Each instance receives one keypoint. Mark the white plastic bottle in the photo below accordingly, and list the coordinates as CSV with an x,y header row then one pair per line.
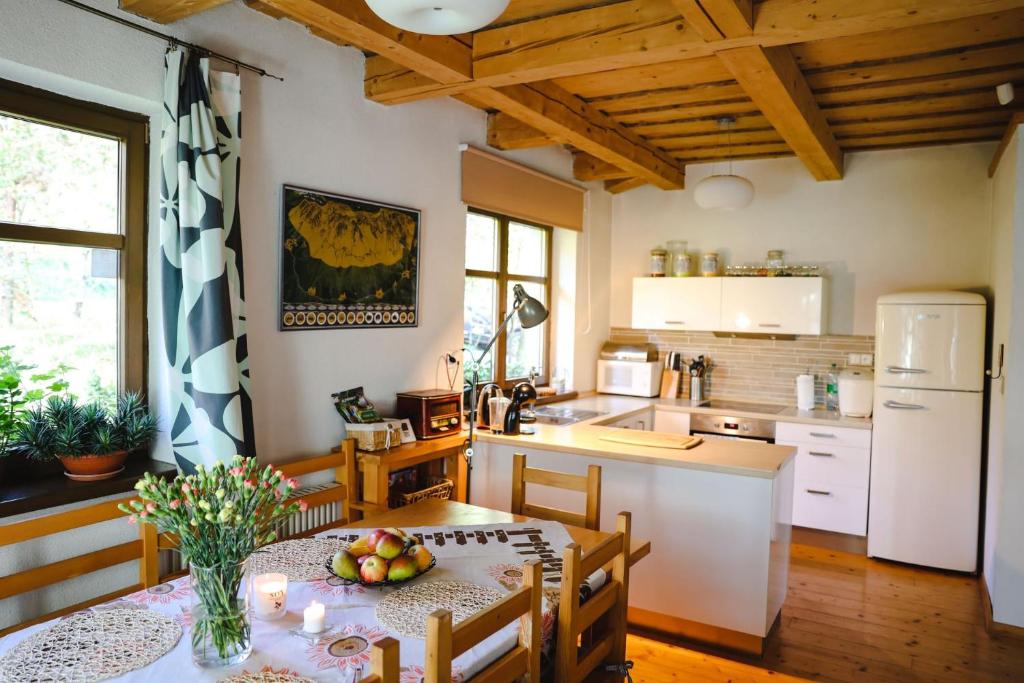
x,y
832,389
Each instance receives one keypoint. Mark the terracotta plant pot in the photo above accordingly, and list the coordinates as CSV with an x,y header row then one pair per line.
x,y
93,467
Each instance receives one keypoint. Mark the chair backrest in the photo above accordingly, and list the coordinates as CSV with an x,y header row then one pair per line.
x,y
445,643
384,666
590,485
142,549
602,615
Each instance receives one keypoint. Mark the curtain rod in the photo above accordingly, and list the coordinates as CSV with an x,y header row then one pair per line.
x,y
170,39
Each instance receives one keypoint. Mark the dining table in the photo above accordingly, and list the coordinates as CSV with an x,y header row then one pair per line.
x,y
479,548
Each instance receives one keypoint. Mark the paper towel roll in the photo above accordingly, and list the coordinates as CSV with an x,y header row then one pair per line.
x,y
805,392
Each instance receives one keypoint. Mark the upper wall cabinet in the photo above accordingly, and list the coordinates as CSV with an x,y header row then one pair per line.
x,y
677,303
773,305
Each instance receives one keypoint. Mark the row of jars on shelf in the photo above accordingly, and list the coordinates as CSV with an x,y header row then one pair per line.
x,y
676,261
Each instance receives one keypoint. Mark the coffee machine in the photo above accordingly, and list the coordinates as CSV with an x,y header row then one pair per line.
x,y
523,394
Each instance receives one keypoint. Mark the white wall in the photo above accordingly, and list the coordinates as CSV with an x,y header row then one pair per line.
x,y
907,219
1004,514
316,130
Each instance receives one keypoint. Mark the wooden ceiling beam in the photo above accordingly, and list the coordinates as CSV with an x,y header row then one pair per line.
x,y
168,11
718,19
1004,143
441,58
506,132
777,86
587,168
624,185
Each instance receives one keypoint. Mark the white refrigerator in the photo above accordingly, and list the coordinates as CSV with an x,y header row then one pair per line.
x,y
926,441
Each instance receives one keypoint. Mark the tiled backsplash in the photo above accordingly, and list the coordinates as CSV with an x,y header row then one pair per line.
x,y
755,369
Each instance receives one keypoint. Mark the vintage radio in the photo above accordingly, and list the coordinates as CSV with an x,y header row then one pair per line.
x,y
433,413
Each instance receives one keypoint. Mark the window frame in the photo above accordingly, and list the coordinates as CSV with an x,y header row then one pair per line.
x,y
131,130
502,277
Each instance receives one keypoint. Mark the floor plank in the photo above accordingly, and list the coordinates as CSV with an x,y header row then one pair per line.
x,y
851,618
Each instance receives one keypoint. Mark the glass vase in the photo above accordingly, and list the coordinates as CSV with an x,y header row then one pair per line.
x,y
221,623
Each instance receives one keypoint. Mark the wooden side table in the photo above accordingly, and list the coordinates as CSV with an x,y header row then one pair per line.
x,y
377,467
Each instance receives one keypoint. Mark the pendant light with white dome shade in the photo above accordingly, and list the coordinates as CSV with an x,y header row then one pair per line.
x,y
438,17
726,191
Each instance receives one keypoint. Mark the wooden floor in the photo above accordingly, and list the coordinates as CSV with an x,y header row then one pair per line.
x,y
848,618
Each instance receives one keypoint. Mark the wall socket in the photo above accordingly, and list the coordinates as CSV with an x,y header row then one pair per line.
x,y
864,360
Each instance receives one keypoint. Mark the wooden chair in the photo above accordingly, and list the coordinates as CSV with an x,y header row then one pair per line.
x,y
602,617
589,485
142,549
384,666
445,643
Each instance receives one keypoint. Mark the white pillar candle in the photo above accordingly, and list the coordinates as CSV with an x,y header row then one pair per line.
x,y
313,618
271,595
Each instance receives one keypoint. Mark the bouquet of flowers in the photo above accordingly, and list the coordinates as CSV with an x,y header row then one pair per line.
x,y
220,516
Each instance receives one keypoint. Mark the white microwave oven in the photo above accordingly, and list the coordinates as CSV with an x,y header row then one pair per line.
x,y
629,378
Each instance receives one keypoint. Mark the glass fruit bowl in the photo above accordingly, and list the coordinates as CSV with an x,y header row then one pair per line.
x,y
377,584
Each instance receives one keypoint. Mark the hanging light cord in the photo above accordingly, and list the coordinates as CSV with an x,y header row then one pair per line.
x,y
171,40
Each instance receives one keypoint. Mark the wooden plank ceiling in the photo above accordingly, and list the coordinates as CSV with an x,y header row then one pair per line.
x,y
636,87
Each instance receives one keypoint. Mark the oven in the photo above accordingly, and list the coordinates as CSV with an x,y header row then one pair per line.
x,y
732,428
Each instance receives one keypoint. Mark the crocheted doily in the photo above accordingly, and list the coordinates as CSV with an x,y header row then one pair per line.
x,y
405,611
91,646
301,559
266,677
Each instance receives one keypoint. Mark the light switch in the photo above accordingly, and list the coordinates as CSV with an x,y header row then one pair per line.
x,y
853,359
867,359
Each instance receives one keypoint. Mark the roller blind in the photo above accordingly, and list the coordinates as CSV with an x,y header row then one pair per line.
x,y
496,184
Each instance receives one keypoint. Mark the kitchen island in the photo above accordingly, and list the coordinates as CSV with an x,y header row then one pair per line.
x,y
718,516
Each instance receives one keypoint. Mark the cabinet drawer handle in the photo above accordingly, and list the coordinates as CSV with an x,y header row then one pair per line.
x,y
823,435
898,370
816,492
769,325
821,454
675,322
903,406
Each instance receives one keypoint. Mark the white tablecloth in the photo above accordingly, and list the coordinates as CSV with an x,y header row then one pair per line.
x,y
487,555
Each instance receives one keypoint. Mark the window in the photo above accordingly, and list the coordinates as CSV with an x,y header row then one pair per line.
x,y
72,239
502,252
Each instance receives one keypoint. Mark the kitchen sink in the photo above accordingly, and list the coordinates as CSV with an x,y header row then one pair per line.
x,y
553,415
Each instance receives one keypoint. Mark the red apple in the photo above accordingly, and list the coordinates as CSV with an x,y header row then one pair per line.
x,y
374,569
371,540
402,568
390,546
362,558
422,556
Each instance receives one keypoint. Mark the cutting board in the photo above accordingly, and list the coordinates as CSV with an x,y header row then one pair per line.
x,y
654,439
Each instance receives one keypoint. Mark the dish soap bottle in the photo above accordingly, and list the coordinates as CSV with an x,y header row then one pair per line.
x,y
832,389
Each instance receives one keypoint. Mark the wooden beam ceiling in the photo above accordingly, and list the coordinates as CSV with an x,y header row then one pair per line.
x,y
718,19
774,81
1004,143
507,132
168,11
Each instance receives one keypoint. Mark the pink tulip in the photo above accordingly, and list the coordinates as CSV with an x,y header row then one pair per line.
x,y
150,507
185,488
249,484
132,519
175,504
303,506
236,471
144,514
279,474
292,483
277,494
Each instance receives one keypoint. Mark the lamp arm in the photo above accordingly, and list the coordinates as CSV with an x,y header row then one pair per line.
x,y
497,333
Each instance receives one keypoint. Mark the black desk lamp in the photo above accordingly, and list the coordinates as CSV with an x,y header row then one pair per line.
x,y
531,313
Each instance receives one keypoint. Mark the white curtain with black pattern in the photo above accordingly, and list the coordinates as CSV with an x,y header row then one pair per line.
x,y
200,275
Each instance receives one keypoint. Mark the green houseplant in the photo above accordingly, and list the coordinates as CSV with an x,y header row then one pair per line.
x,y
220,515
90,441
19,388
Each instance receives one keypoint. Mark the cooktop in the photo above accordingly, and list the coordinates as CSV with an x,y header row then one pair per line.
x,y
765,408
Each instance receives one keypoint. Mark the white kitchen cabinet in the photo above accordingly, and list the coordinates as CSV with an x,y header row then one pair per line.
x,y
639,421
677,303
833,471
672,422
773,305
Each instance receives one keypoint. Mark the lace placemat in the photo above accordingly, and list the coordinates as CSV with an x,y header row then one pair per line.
x,y
266,677
302,559
91,646
405,611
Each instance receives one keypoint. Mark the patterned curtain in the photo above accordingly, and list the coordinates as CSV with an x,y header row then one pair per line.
x,y
201,263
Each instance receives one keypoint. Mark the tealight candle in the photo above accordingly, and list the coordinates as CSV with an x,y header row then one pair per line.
x,y
271,595
313,618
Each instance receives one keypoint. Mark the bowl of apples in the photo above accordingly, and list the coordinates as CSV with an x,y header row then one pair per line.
x,y
384,557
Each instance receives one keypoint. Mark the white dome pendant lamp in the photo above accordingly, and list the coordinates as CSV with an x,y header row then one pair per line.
x,y
728,191
438,17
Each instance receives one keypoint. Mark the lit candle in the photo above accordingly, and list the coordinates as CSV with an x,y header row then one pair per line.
x,y
271,595
313,618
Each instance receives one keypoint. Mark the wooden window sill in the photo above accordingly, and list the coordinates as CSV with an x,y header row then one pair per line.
x,y
19,495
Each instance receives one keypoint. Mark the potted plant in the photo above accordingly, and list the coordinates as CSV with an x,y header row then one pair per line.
x,y
220,515
16,394
90,442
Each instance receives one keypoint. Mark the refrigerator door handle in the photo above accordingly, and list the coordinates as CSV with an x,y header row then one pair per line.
x,y
903,406
897,370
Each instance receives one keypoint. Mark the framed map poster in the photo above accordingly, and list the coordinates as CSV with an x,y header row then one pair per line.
x,y
347,262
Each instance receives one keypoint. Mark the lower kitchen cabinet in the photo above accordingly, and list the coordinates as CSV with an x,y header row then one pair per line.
x,y
833,471
641,421
672,422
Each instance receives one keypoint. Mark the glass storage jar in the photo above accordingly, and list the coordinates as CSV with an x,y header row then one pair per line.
x,y
680,264
658,258
709,264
